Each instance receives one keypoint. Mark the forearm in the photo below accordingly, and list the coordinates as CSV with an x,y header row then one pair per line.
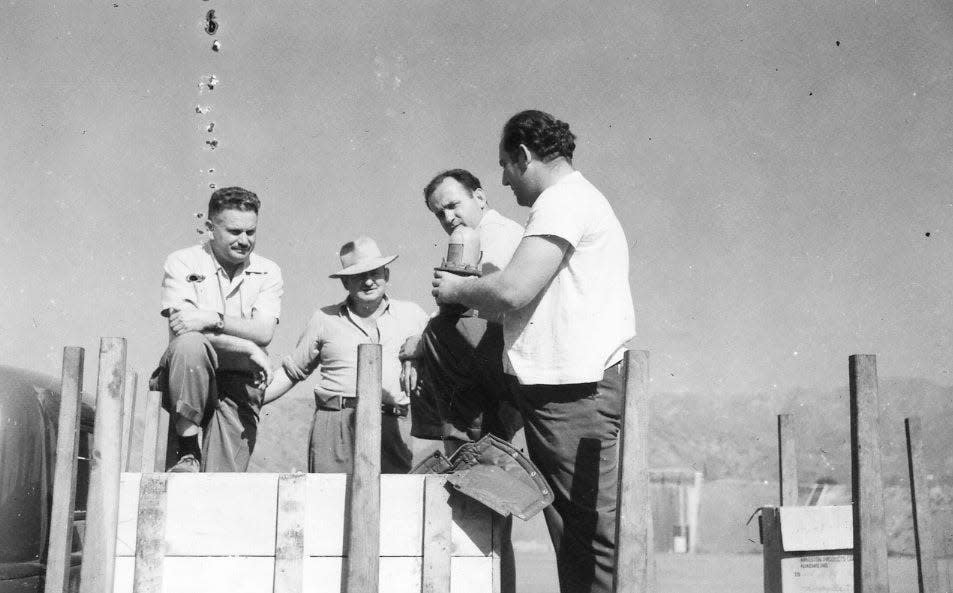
x,y
232,344
492,292
258,330
278,386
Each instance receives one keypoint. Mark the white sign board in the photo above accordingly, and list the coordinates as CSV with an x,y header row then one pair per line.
x,y
818,574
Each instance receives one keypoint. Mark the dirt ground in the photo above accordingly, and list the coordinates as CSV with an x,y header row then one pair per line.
x,y
706,573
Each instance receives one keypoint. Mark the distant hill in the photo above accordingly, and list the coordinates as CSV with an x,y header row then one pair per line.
x,y
724,436
735,436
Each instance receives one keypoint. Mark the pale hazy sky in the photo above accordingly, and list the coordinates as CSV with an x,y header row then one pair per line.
x,y
777,166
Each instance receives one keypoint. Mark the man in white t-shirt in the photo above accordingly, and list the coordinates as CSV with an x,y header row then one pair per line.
x,y
568,314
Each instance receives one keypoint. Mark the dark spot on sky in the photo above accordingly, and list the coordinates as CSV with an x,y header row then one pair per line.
x,y
811,94
927,233
837,43
211,26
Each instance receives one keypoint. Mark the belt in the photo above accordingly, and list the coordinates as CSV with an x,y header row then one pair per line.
x,y
337,403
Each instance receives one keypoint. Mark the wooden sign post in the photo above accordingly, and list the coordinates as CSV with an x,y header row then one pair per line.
x,y
870,535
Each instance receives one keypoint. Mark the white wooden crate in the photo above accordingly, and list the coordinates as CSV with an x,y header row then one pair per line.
x,y
220,535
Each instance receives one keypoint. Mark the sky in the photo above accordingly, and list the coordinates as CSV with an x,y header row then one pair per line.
x,y
783,171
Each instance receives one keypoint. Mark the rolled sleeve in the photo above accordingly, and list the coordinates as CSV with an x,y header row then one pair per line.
x,y
268,302
177,291
307,354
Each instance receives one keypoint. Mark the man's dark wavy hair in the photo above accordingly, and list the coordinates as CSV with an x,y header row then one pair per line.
x,y
546,136
464,177
235,198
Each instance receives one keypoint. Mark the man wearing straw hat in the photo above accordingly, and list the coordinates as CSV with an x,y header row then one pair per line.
x,y
329,344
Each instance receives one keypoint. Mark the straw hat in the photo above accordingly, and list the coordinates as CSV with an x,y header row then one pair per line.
x,y
359,256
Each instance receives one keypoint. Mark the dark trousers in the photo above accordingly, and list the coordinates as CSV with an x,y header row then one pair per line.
x,y
225,404
331,448
572,432
464,393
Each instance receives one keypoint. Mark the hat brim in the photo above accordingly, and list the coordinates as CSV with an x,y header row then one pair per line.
x,y
365,266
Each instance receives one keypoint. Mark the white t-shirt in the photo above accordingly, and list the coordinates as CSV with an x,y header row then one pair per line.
x,y
499,238
578,325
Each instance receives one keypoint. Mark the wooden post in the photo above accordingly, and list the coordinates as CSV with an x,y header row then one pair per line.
x,y
437,545
289,540
102,506
633,561
150,534
64,482
162,439
128,407
136,430
870,536
694,502
787,459
364,511
151,434
928,576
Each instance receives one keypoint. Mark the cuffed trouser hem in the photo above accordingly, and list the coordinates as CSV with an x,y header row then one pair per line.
x,y
224,404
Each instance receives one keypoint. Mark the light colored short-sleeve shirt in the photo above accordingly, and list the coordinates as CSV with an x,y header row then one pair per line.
x,y
499,238
578,325
329,344
194,278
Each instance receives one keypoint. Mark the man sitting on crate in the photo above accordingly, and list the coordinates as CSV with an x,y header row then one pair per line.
x,y
222,302
329,344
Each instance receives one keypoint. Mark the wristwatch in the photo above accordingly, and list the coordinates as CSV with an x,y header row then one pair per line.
x,y
220,324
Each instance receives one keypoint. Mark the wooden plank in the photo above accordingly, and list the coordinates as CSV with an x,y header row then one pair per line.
x,y
136,430
694,505
150,431
471,575
396,575
787,459
502,529
289,538
928,575
222,514
633,521
438,517
870,535
771,549
128,517
162,440
150,534
470,535
402,515
128,407
99,551
401,533
364,505
64,481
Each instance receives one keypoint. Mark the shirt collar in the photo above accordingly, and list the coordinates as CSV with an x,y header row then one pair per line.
x,y
343,310
252,266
